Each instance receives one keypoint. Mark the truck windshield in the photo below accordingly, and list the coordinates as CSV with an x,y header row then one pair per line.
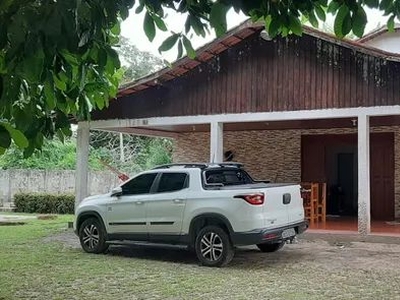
x,y
226,177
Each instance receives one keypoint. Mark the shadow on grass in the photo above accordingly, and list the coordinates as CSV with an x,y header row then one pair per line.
x,y
155,253
245,258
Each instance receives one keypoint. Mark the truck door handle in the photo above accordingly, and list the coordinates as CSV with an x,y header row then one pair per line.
x,y
178,201
138,202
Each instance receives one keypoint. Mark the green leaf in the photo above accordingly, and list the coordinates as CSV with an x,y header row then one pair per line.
x,y
320,13
149,27
5,138
197,25
372,3
359,21
313,20
187,25
188,47
102,57
139,9
61,85
295,25
32,66
385,5
390,24
340,20
69,57
49,95
218,18
19,138
168,43
274,28
347,24
29,150
116,29
180,49
333,7
124,12
3,66
160,23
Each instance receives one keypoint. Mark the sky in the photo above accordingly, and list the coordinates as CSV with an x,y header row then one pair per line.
x,y
132,28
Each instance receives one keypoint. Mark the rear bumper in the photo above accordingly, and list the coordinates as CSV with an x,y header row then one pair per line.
x,y
274,235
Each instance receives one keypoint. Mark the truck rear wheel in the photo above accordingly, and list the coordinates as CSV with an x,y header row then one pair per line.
x,y
213,247
270,247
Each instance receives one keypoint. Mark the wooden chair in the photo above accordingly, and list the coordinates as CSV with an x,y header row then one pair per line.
x,y
321,206
309,202
314,202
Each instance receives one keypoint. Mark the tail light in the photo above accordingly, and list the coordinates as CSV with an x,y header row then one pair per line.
x,y
253,199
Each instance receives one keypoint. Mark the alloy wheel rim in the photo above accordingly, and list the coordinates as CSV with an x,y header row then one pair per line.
x,y
211,246
91,236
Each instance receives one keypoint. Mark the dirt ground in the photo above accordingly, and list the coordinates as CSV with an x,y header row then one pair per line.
x,y
326,251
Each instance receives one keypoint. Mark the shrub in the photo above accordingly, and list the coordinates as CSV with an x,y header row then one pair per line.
x,y
44,203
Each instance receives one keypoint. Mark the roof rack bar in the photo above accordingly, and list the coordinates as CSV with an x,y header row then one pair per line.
x,y
227,164
187,165
200,165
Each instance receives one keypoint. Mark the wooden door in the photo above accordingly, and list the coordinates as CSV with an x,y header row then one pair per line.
x,y
345,179
382,176
312,159
313,167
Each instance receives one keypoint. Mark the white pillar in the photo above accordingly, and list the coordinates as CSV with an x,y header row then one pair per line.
x,y
121,147
82,162
364,197
216,142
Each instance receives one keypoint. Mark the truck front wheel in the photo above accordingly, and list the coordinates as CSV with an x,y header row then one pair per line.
x,y
213,247
92,236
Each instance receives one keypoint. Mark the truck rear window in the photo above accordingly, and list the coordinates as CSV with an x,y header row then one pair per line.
x,y
226,177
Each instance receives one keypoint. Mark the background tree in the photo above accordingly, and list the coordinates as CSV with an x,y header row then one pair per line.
x,y
136,63
55,155
138,153
57,58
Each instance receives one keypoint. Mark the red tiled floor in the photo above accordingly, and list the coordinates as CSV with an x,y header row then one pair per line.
x,y
349,225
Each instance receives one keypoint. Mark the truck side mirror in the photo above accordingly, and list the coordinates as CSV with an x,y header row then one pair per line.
x,y
115,192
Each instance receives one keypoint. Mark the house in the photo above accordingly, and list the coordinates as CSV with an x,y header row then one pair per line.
x,y
296,109
382,39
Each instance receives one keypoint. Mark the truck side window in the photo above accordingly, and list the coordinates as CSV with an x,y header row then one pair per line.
x,y
171,182
139,185
227,177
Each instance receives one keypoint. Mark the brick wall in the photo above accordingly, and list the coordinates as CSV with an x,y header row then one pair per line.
x,y
271,154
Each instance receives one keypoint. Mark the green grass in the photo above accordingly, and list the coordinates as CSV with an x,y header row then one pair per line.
x,y
41,260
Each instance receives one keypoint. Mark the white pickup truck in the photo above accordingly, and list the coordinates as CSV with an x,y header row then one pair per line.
x,y
211,208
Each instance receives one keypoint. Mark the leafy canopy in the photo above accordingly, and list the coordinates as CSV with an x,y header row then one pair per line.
x,y
136,63
57,58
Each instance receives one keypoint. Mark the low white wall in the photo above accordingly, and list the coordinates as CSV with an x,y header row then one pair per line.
x,y
57,182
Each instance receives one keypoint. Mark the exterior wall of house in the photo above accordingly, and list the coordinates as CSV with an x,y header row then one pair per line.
x,y
389,41
272,154
285,74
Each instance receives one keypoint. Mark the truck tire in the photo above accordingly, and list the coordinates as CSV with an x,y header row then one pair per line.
x,y
92,236
213,247
270,247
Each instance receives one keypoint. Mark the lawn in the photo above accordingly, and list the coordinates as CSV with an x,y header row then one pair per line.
x,y
42,260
